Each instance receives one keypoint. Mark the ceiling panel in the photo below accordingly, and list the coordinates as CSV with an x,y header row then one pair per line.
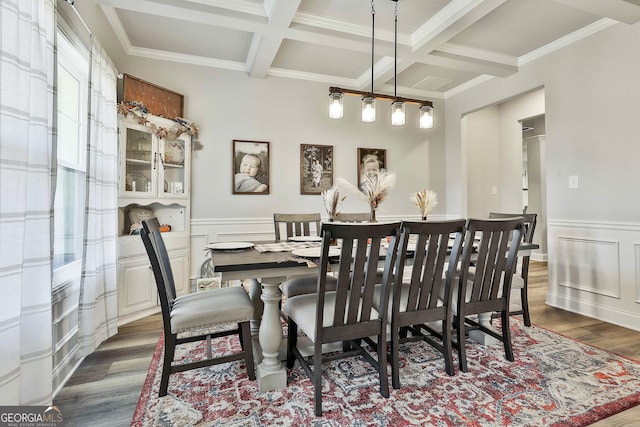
x,y
322,59
521,26
442,44
189,38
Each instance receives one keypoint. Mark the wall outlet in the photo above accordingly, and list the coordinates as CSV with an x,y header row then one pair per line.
x,y
573,182
494,190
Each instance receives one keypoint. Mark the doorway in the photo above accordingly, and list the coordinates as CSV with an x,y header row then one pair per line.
x,y
505,160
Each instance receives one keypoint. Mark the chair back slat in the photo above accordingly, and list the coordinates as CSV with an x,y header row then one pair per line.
x,y
361,251
160,264
431,256
530,221
494,258
295,224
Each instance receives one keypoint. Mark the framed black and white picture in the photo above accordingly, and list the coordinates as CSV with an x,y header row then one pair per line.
x,y
370,160
250,167
316,168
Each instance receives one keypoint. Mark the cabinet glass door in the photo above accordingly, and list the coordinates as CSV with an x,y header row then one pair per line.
x,y
138,161
172,154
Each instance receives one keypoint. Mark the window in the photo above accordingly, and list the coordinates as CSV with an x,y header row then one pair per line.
x,y
72,87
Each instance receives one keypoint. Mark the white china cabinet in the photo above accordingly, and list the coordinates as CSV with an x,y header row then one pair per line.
x,y
154,180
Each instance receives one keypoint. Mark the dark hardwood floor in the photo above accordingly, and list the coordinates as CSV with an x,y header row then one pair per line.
x,y
105,389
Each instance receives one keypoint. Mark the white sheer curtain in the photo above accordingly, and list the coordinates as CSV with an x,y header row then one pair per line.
x,y
27,171
98,305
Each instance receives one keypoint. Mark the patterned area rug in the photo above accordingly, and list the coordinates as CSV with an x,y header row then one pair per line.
x,y
555,381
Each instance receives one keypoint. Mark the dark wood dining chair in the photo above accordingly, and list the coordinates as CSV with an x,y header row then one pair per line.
x,y
194,317
415,303
352,217
493,257
521,281
345,315
294,224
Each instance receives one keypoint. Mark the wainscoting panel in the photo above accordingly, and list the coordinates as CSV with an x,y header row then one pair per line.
x,y
637,265
594,270
589,265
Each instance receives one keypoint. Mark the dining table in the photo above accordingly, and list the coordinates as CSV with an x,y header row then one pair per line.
x,y
257,264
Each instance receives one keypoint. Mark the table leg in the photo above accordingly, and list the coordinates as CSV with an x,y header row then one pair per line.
x,y
255,291
478,336
271,373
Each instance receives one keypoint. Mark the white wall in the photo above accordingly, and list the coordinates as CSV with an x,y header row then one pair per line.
x,y
591,108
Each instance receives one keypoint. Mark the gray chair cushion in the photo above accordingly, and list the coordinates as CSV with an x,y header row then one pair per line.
x,y
404,295
302,310
196,310
305,285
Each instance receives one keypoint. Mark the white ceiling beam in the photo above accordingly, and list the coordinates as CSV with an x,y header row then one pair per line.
x,y
446,24
282,13
468,64
337,42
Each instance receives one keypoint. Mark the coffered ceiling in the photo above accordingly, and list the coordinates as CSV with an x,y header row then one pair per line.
x,y
444,46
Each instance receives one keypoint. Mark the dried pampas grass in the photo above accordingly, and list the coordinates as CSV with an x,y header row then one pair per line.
x,y
425,200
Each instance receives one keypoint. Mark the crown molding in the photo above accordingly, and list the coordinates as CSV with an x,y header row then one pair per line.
x,y
567,40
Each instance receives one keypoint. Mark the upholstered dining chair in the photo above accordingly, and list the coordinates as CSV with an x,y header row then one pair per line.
x,y
521,281
295,224
488,290
198,316
345,315
415,304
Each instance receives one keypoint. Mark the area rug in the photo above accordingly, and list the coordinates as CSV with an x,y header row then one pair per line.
x,y
555,381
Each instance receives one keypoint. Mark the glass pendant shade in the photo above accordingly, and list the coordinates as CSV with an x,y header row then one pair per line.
x,y
336,108
368,109
426,117
397,113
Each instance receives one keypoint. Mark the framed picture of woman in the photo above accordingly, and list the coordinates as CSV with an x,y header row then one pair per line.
x,y
370,160
316,168
250,167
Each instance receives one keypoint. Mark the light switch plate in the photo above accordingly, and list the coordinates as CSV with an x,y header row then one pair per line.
x,y
573,181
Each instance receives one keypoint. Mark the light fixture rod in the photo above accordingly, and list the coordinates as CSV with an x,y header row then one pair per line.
x,y
395,52
373,39
334,89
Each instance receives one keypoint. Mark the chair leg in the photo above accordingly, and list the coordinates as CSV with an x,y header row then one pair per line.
x,y
317,378
292,341
382,365
169,352
462,356
506,336
395,357
446,346
524,296
245,338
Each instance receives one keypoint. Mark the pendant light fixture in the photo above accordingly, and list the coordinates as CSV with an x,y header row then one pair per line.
x,y
398,104
426,116
368,101
397,107
336,108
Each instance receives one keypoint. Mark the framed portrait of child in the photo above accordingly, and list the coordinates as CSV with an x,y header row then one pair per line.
x,y
316,168
370,161
250,167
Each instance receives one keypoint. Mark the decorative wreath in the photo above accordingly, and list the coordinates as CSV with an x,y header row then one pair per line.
x,y
140,112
